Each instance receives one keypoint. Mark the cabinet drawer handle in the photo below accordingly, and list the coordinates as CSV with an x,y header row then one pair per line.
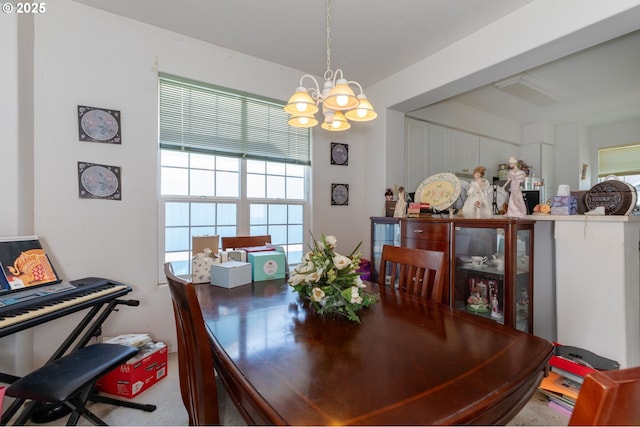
x,y
418,231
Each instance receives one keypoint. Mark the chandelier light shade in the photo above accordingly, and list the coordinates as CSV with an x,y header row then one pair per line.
x,y
335,121
301,103
338,100
302,120
363,112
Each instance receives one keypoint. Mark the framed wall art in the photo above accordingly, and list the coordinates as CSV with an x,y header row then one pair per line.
x,y
340,194
99,181
339,154
99,125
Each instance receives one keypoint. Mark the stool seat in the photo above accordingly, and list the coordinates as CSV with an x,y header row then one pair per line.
x,y
70,379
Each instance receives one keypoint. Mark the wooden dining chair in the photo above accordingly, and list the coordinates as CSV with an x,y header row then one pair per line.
x,y
244,241
417,271
195,357
608,398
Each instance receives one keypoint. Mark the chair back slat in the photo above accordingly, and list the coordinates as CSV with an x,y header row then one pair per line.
x,y
416,271
195,357
244,241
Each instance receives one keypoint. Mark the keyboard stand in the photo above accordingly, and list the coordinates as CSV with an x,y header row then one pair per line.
x,y
90,325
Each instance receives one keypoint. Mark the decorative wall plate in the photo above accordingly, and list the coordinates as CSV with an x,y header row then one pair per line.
x,y
339,194
99,125
339,154
99,181
440,191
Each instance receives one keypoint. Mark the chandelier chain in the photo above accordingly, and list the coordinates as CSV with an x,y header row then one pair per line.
x,y
328,73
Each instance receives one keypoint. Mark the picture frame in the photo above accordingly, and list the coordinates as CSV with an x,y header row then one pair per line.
x,y
339,194
99,125
339,154
97,181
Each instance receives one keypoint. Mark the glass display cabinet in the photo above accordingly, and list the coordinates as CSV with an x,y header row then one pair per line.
x,y
384,231
493,272
489,264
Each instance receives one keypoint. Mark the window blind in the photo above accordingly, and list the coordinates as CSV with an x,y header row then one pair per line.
x,y
205,118
619,161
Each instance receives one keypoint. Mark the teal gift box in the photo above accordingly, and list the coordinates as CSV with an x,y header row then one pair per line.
x,y
267,265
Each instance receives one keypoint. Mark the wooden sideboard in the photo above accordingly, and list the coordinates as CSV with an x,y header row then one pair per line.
x,y
507,238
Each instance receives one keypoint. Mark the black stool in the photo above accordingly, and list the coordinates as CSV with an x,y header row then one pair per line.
x,y
70,380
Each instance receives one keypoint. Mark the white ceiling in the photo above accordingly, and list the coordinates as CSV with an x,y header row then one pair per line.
x,y
374,39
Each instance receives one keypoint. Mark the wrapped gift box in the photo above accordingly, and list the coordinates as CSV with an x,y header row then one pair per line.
x,y
564,205
201,267
267,265
139,373
205,250
231,274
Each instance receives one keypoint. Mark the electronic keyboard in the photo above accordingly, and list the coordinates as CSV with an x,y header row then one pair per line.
x,y
30,307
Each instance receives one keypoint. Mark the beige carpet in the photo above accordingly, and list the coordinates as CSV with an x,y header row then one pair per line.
x,y
170,411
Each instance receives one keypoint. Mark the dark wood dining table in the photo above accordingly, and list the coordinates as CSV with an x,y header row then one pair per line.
x,y
408,362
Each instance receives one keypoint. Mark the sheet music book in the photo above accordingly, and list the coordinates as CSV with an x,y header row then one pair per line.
x,y
24,263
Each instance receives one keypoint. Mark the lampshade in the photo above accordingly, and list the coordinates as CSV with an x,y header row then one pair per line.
x,y
302,121
341,97
335,121
363,112
301,103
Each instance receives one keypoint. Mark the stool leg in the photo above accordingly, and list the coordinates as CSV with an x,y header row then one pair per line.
x,y
79,406
78,410
25,414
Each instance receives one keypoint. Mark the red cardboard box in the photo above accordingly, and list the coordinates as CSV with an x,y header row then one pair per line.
x,y
138,374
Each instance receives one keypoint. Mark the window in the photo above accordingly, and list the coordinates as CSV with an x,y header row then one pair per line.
x,y
229,165
623,162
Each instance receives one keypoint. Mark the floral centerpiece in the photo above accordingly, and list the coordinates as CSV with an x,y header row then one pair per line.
x,y
330,280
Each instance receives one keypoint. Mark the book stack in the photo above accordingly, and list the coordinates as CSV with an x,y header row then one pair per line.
x,y
419,210
568,367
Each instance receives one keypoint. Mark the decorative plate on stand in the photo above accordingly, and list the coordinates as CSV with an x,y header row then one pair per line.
x,y
440,190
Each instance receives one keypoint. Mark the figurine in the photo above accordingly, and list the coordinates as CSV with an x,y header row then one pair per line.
x,y
388,195
478,203
495,313
516,177
401,204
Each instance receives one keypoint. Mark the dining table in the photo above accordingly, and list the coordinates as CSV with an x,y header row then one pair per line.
x,y
408,361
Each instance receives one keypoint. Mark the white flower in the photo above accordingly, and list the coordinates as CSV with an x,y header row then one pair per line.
x,y
312,277
297,279
320,245
305,268
331,241
359,283
317,294
355,296
341,261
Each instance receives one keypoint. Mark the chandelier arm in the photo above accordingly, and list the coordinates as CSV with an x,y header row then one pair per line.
x,y
353,82
314,92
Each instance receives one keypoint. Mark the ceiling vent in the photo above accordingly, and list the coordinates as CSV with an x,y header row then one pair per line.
x,y
529,89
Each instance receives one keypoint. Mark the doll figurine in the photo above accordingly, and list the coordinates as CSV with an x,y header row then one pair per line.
x,y
401,204
516,177
478,204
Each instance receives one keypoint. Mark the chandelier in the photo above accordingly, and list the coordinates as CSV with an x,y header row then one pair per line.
x,y
339,103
